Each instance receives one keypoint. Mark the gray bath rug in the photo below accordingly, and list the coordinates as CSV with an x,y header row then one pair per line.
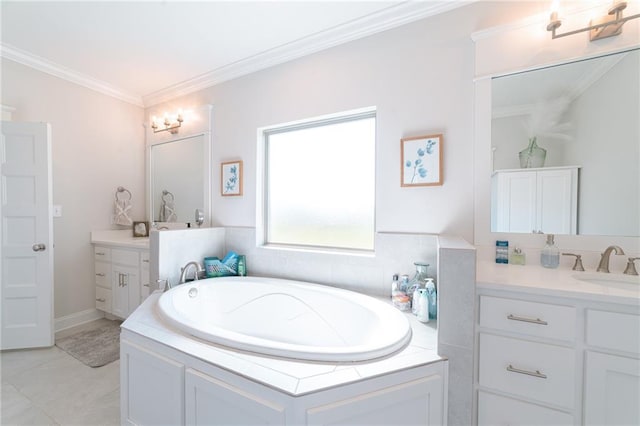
x,y
95,347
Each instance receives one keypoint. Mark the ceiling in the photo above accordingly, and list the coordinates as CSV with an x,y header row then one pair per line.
x,y
146,52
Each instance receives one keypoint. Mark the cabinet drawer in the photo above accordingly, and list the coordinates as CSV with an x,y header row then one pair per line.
x,y
102,253
530,318
125,257
144,260
498,410
103,299
103,274
613,330
532,370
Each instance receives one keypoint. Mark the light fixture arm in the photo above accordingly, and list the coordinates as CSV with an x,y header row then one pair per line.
x,y
606,26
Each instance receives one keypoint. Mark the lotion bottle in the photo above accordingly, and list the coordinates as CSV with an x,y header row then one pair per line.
x,y
550,255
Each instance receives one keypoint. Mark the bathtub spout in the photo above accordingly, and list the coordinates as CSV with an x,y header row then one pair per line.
x,y
185,269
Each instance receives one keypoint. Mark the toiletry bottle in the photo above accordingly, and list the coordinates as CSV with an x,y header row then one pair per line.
x,y
550,255
423,310
415,301
242,265
502,251
395,285
404,283
432,297
517,257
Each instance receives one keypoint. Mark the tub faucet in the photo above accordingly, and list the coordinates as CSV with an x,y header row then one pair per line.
x,y
185,269
603,266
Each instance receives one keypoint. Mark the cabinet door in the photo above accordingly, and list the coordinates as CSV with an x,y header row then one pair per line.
x,y
515,202
418,402
125,290
498,410
151,388
556,201
612,390
209,401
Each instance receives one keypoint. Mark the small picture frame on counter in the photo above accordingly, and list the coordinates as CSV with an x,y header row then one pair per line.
x,y
140,229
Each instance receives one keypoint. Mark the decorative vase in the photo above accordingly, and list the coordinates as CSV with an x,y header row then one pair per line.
x,y
532,155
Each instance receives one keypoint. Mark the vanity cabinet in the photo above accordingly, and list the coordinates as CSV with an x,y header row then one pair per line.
x,y
544,199
556,361
121,279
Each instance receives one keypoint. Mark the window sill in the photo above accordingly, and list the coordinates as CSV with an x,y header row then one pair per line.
x,y
319,250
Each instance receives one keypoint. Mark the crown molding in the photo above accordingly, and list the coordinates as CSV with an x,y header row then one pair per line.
x,y
41,64
388,18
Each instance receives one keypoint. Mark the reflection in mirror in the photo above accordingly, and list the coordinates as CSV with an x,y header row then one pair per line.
x,y
566,148
177,179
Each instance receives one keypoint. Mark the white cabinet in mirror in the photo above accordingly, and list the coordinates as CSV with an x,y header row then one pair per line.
x,y
580,113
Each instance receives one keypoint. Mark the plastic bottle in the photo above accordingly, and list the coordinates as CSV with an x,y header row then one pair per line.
x,y
430,289
395,285
550,255
423,310
415,301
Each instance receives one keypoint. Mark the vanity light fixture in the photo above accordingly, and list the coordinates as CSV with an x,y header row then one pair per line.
x,y
170,124
599,28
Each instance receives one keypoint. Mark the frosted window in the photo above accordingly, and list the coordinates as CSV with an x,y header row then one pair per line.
x,y
320,183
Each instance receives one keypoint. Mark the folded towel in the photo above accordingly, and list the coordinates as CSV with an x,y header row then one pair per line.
x,y
122,208
167,212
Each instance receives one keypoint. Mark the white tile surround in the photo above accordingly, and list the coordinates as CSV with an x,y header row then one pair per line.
x,y
395,253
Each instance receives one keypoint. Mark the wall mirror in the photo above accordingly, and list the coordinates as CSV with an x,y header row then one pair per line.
x,y
584,115
179,179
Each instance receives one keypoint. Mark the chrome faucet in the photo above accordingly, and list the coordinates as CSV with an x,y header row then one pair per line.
x,y
603,266
185,269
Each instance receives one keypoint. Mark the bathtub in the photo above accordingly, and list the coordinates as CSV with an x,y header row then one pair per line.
x,y
289,319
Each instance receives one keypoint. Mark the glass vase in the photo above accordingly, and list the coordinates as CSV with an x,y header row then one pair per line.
x,y
532,156
419,278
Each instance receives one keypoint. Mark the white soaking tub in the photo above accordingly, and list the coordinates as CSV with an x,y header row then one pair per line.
x,y
289,319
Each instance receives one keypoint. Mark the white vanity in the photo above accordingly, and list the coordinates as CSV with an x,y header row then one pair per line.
x,y
121,266
554,349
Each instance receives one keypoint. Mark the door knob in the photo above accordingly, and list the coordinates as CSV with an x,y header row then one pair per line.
x,y
39,247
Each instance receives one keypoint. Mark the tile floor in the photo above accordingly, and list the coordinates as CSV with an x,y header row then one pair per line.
x,y
49,387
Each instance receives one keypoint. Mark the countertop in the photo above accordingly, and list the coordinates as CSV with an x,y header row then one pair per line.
x,y
119,238
290,376
560,282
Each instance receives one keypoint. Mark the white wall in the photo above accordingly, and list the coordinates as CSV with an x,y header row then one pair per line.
x,y
97,145
420,78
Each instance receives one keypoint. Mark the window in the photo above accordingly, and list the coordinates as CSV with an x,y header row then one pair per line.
x,y
319,183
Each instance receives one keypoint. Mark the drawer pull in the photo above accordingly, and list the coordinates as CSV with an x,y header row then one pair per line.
x,y
145,285
99,253
536,373
100,275
145,260
530,320
101,300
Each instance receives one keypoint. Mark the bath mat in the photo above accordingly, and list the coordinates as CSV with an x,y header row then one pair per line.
x,y
96,347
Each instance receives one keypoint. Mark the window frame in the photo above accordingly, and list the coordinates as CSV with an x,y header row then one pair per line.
x,y
262,197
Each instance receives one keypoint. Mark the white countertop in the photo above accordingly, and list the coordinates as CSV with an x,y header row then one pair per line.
x,y
119,238
535,279
290,376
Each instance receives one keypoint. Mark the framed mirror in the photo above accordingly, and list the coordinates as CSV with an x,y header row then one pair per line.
x,y
565,148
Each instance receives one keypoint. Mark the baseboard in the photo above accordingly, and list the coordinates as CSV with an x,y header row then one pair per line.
x,y
77,318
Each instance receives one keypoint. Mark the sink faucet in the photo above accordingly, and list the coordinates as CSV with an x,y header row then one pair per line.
x,y
185,269
603,266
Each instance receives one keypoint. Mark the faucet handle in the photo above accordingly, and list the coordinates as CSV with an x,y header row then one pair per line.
x,y
631,267
578,265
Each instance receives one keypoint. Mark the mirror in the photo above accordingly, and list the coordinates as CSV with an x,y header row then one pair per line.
x,y
584,114
178,172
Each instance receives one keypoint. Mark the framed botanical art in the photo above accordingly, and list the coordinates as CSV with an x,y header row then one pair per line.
x,y
231,178
421,161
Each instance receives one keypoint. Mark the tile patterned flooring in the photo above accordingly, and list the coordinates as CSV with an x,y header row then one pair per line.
x,y
49,387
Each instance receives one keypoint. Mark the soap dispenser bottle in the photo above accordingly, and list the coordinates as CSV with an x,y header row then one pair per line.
x,y
550,255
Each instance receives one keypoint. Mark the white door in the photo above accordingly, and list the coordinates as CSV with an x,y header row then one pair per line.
x,y
27,236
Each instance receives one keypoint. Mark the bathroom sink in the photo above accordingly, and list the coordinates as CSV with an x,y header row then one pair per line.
x,y
624,282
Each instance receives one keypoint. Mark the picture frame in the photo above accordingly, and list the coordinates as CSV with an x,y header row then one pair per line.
x,y
421,160
231,178
140,229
